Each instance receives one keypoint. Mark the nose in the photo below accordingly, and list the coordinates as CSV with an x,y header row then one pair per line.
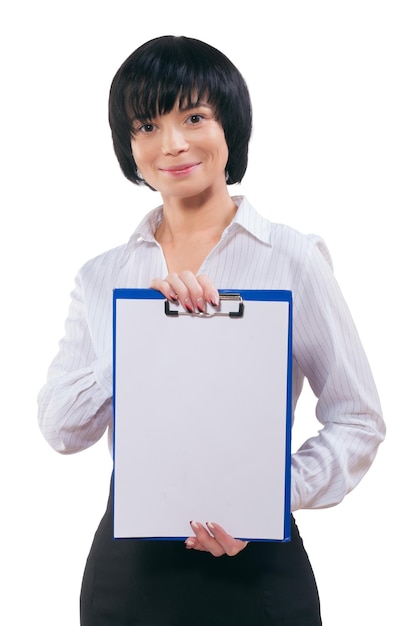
x,y
173,140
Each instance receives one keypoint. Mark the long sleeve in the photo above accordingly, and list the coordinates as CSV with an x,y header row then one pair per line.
x,y
328,351
75,405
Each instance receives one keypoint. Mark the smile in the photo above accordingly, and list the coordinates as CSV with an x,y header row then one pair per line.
x,y
180,170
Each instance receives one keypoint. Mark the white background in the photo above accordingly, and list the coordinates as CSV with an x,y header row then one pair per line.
x,y
333,152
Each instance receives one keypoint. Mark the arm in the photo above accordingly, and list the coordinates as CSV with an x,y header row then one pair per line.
x,y
75,405
328,351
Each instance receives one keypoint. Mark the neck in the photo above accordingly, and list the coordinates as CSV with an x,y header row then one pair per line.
x,y
185,217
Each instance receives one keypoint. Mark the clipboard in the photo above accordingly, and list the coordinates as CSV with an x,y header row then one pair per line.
x,y
202,415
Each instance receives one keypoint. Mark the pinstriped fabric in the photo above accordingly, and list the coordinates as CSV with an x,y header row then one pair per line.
x,y
75,406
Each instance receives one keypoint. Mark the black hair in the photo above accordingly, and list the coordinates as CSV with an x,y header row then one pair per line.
x,y
170,70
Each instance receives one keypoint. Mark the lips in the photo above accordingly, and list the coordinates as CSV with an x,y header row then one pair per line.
x,y
180,169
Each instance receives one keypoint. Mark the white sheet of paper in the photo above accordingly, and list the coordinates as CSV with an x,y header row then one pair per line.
x,y
200,420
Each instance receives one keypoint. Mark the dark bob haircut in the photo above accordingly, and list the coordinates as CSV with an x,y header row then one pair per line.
x,y
170,70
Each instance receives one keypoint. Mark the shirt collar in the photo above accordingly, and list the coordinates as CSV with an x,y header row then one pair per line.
x,y
249,219
246,217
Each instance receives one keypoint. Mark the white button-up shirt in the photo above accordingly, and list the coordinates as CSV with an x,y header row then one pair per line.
x,y
75,405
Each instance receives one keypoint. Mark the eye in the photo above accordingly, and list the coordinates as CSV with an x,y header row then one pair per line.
x,y
195,118
146,128
142,127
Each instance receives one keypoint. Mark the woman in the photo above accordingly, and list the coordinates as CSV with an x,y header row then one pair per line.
x,y
180,116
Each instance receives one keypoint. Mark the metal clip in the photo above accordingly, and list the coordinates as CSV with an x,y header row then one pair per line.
x,y
224,298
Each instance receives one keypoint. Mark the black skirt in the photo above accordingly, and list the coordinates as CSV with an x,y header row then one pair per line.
x,y
136,582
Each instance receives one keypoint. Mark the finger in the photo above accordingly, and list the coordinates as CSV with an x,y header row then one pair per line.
x,y
173,288
206,541
195,291
211,294
192,543
165,288
185,287
229,544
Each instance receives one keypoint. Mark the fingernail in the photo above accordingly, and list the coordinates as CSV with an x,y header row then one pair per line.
x,y
188,305
194,525
214,300
200,305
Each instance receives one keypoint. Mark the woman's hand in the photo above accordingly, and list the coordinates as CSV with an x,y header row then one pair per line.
x,y
191,291
214,539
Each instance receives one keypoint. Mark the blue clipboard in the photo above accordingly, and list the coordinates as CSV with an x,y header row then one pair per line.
x,y
202,410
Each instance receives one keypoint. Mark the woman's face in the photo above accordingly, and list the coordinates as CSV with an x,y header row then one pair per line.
x,y
181,153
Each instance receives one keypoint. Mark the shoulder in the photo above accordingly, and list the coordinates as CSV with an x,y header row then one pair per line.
x,y
106,262
112,261
306,248
279,236
296,250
